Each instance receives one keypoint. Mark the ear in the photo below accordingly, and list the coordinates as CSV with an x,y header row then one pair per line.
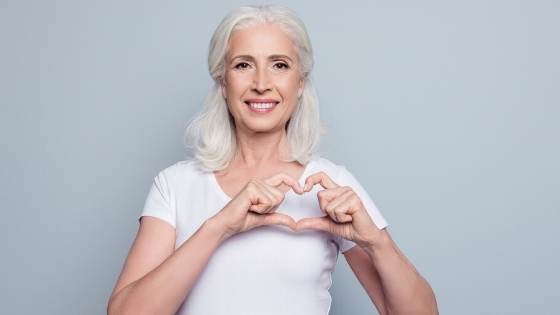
x,y
301,86
223,88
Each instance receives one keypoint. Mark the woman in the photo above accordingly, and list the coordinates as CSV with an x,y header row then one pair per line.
x,y
253,224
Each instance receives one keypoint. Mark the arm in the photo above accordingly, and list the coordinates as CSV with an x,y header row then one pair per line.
x,y
390,280
154,280
367,274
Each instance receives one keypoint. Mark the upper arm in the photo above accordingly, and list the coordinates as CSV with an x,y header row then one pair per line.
x,y
154,242
367,274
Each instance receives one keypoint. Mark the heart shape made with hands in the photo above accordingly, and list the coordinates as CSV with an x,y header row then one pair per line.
x,y
345,216
319,178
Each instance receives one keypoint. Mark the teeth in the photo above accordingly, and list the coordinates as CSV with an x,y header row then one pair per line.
x,y
262,105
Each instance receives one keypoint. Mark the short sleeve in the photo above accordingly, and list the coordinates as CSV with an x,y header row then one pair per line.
x,y
345,178
158,202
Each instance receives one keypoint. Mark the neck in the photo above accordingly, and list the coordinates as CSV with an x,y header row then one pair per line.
x,y
261,148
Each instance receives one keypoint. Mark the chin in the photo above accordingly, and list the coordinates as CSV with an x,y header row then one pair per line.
x,y
262,126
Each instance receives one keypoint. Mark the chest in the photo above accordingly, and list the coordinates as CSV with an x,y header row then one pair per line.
x,y
273,252
231,182
283,248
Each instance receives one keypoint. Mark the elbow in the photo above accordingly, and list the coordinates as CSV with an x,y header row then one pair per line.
x,y
431,308
114,307
111,308
434,308
425,311
118,305
428,307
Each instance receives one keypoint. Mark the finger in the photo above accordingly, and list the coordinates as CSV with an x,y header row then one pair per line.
x,y
260,202
339,207
275,200
263,208
254,195
276,218
276,193
269,209
319,178
283,178
326,196
341,213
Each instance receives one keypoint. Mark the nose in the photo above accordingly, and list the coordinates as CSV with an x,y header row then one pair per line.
x,y
261,81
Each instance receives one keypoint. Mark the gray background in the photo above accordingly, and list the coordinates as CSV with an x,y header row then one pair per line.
x,y
447,112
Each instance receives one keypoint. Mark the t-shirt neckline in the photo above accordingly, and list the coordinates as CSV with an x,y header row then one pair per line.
x,y
227,198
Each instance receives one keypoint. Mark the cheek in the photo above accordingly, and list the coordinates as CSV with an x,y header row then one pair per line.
x,y
237,83
289,87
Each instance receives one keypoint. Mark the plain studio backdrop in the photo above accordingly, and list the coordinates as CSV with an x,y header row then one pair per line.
x,y
447,112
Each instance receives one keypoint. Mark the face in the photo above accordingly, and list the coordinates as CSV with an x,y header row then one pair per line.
x,y
262,81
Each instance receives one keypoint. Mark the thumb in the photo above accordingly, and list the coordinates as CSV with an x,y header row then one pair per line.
x,y
316,223
275,218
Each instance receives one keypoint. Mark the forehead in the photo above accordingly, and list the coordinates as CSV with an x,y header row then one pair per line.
x,y
261,40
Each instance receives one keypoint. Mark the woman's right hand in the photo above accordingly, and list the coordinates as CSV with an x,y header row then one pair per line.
x,y
255,205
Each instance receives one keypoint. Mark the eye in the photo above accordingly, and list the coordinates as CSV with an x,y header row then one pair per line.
x,y
242,64
282,65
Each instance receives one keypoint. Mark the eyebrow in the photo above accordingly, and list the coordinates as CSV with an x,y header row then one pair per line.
x,y
249,57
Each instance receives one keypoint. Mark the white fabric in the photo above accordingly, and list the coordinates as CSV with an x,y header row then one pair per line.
x,y
267,270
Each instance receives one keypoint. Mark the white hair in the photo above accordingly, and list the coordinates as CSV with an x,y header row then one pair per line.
x,y
210,135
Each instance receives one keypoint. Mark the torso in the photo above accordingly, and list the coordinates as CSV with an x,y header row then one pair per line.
x,y
250,271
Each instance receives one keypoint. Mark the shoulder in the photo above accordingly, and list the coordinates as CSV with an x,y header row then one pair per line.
x,y
180,171
331,167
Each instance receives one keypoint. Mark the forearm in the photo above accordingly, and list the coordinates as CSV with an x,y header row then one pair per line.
x,y
162,290
406,291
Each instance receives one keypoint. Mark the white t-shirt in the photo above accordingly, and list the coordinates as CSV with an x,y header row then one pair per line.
x,y
266,270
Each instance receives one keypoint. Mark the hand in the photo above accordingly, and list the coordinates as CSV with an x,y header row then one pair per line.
x,y
346,215
255,205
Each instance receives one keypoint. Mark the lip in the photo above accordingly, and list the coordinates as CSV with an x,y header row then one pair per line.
x,y
261,100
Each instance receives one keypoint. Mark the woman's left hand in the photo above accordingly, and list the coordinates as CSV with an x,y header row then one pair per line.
x,y
346,215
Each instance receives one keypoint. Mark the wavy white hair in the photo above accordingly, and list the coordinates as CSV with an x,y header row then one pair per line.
x,y
210,135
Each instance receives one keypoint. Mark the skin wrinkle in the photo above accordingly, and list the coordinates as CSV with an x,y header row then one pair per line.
x,y
261,137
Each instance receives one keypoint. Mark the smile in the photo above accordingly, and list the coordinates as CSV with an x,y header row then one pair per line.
x,y
261,107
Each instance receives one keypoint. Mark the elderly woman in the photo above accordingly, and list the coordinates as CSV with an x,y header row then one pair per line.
x,y
254,222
